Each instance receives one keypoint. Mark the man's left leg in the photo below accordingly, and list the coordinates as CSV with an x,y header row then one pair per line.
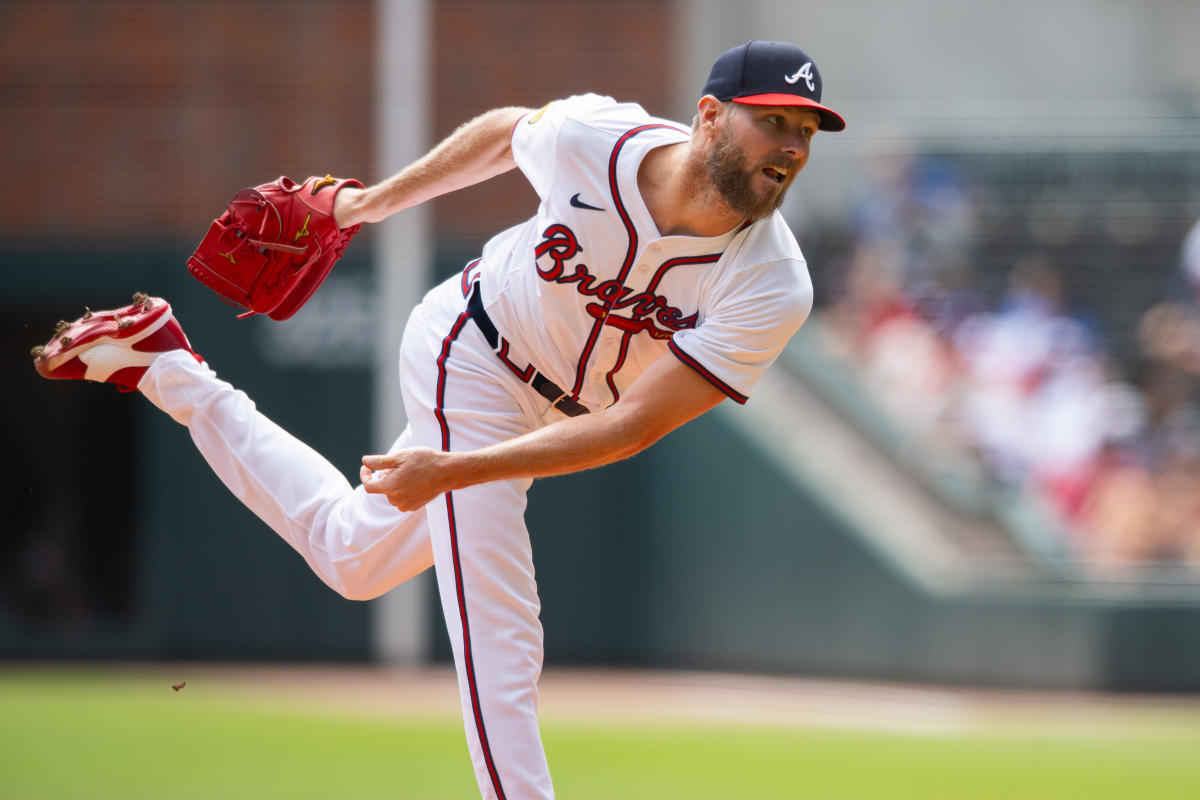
x,y
459,396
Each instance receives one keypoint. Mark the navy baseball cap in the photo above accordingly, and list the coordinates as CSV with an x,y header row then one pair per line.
x,y
771,74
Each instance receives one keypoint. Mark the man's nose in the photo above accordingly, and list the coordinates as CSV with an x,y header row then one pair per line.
x,y
796,148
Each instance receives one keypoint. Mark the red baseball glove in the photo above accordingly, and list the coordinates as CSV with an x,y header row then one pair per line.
x,y
274,245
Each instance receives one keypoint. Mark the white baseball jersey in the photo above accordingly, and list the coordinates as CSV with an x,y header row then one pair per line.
x,y
590,293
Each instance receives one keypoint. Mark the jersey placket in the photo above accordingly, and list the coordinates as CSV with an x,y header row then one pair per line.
x,y
614,343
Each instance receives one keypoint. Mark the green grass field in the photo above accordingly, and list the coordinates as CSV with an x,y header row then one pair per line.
x,y
78,733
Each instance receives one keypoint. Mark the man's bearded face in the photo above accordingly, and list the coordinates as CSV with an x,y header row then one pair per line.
x,y
734,180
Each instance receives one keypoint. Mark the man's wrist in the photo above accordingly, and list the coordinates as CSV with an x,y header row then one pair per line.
x,y
462,469
349,207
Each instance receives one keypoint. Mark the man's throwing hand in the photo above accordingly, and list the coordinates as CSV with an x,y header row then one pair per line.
x,y
410,478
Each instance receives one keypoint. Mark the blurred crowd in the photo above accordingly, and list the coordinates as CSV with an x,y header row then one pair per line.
x,y
1020,378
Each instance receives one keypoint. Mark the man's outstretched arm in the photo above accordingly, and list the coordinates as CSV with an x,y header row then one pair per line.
x,y
664,397
478,150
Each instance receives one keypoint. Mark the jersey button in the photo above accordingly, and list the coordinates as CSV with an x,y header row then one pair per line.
x,y
643,267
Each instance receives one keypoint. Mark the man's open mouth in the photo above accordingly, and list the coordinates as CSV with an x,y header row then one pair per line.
x,y
777,174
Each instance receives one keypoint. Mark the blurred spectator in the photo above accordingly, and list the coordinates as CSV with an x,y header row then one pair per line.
x,y
917,209
1170,331
1146,508
1023,361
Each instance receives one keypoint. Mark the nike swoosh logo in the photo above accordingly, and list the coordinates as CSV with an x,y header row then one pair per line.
x,y
575,201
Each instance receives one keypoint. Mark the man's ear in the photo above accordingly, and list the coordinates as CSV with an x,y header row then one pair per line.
x,y
708,110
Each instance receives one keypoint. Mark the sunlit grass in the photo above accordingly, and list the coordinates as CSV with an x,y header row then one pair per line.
x,y
70,734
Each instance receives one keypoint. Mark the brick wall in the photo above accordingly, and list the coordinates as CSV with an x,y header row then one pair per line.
x,y
131,118
136,117
528,53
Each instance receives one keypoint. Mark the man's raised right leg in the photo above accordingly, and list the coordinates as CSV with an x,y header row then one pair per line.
x,y
358,544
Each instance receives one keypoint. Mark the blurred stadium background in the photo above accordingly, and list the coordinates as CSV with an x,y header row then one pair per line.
x,y
979,463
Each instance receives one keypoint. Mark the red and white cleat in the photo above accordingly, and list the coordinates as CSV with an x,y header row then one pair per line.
x,y
112,346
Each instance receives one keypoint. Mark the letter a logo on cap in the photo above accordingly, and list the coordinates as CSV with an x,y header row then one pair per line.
x,y
804,72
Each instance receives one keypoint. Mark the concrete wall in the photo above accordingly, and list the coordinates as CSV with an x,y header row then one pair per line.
x,y
920,62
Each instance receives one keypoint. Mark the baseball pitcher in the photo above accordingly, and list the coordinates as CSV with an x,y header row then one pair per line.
x,y
655,279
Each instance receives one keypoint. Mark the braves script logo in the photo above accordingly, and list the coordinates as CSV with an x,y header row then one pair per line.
x,y
560,245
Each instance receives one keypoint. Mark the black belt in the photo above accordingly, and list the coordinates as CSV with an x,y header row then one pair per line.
x,y
540,383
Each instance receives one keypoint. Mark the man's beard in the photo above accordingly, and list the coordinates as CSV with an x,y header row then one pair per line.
x,y
733,182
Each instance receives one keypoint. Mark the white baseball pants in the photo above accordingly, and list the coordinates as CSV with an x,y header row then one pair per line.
x,y
458,396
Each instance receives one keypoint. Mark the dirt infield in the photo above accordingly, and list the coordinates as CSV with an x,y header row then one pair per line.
x,y
666,697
